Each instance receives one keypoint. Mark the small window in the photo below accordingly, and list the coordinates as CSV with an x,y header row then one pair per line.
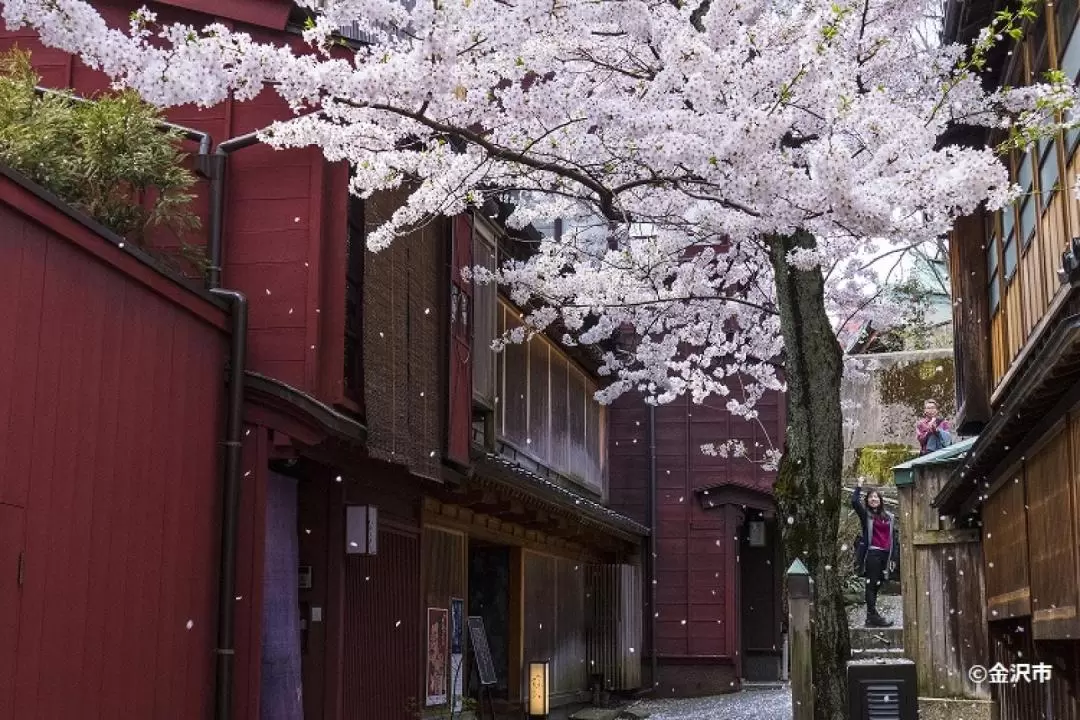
x,y
455,301
992,256
1048,171
1070,51
1027,220
1008,217
1009,253
995,294
1024,172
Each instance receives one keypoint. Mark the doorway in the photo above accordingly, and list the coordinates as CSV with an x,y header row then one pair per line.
x,y
759,596
489,597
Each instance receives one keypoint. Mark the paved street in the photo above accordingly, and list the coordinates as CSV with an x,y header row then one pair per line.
x,y
765,704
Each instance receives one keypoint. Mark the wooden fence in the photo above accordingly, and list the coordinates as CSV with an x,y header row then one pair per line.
x,y
941,567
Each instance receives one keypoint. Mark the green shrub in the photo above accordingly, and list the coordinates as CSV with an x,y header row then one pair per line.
x,y
109,158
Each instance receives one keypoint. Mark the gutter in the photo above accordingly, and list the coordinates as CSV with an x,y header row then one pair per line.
x,y
652,544
226,651
217,165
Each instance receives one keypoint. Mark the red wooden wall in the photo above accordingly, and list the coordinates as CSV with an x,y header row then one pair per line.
x,y
111,401
383,626
696,549
285,216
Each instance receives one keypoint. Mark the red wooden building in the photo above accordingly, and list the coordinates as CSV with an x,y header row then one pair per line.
x,y
368,383
104,358
713,608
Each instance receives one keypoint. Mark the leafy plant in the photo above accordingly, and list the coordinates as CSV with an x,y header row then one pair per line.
x,y
109,158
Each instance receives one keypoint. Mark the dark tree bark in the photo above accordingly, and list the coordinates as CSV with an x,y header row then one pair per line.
x,y
809,480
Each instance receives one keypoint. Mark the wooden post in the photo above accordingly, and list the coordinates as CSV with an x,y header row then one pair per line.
x,y
802,675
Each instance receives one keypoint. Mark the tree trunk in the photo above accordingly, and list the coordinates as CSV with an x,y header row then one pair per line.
x,y
808,487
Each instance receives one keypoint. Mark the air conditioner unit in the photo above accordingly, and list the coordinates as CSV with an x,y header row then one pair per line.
x,y
882,690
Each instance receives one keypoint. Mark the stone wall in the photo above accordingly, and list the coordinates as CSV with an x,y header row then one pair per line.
x,y
883,397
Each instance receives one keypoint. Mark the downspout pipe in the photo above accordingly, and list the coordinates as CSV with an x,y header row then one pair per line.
x,y
218,162
226,649
652,543
225,663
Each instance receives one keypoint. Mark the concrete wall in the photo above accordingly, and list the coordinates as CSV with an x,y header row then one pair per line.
x,y
883,397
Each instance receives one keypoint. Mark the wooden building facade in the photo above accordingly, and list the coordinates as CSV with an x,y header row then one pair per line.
x,y
369,383
715,616
525,540
104,358
1018,383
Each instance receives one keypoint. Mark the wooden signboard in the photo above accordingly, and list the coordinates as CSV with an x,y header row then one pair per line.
x,y
481,651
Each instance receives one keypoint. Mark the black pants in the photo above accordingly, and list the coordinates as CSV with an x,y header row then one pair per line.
x,y
876,562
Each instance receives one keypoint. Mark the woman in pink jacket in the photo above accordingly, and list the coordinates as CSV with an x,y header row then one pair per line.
x,y
933,430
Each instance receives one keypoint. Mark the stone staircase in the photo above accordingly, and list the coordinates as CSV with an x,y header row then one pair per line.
x,y
871,643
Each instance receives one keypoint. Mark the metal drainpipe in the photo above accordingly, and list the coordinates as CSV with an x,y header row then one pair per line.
x,y
226,646
226,651
217,202
652,542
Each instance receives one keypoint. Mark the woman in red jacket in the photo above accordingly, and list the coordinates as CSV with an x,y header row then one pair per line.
x,y
878,534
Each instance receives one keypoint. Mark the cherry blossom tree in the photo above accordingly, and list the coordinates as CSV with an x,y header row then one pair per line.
x,y
721,168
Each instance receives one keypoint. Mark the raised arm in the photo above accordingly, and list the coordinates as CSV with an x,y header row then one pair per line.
x,y
856,501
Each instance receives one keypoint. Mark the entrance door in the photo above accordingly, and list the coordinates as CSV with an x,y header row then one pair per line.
x,y
12,547
759,594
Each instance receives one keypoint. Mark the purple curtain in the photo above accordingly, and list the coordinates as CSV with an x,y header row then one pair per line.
x,y
282,698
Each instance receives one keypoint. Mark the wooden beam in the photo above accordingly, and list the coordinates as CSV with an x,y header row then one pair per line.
x,y
946,537
1009,605
971,318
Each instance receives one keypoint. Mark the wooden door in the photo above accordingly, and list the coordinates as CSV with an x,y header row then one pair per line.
x,y
12,547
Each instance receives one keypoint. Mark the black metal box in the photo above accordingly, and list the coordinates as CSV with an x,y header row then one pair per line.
x,y
882,690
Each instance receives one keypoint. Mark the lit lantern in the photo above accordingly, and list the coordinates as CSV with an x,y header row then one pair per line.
x,y
538,689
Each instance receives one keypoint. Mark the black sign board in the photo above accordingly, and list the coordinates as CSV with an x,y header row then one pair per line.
x,y
481,651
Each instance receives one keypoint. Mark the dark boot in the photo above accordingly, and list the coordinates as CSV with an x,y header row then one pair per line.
x,y
875,620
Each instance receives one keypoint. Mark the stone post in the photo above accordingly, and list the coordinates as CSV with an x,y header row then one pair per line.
x,y
802,676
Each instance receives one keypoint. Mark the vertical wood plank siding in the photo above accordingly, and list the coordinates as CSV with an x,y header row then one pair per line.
x,y
383,630
614,638
1051,539
944,623
555,621
111,401
1011,644
1008,592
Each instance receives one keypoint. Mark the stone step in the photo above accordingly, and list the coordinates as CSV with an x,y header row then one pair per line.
x,y
949,709
866,638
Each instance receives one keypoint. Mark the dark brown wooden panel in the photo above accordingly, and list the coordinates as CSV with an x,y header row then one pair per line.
x,y
1051,545
1005,539
383,633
